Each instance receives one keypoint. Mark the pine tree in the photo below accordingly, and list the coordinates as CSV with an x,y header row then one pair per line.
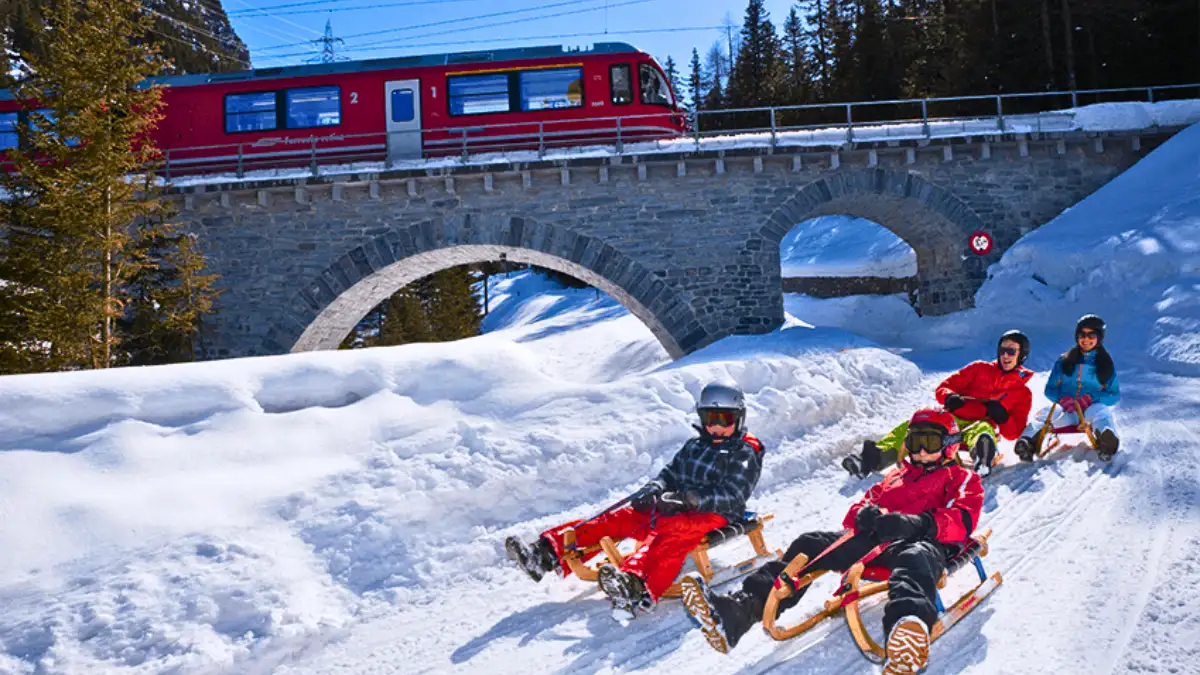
x,y
454,311
755,77
797,82
872,55
714,73
170,294
69,246
672,72
695,81
87,252
820,35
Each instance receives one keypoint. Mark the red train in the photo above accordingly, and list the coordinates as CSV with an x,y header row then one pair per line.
x,y
408,108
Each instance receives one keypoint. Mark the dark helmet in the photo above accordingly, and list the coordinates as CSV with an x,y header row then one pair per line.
x,y
718,397
1022,344
1093,322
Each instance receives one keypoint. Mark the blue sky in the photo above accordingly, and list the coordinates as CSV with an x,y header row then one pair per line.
x,y
296,24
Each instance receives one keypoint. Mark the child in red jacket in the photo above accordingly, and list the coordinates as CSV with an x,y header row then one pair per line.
x,y
928,506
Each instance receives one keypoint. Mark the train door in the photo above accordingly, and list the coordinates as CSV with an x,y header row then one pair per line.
x,y
403,101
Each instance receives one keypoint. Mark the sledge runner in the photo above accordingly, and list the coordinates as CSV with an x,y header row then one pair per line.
x,y
704,488
1083,380
926,507
985,397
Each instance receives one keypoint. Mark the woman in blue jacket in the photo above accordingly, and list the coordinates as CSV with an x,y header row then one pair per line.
x,y
1082,379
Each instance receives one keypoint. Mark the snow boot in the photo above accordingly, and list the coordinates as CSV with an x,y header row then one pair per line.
x,y
536,559
1024,448
1027,447
851,465
626,592
1106,445
984,454
860,466
723,619
907,647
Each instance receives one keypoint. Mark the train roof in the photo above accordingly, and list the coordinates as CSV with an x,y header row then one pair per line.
x,y
491,56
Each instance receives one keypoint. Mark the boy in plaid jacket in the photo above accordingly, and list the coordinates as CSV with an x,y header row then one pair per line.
x,y
703,488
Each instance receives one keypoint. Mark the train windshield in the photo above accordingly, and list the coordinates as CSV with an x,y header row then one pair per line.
x,y
655,90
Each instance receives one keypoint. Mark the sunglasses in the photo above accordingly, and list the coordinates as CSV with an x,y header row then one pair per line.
x,y
721,418
1086,334
929,442
1011,351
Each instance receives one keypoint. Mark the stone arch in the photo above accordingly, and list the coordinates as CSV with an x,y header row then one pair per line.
x,y
322,312
928,217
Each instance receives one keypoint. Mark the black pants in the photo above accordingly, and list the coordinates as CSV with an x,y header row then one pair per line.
x,y
916,568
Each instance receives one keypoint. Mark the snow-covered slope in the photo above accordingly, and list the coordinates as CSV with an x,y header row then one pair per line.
x,y
343,512
842,246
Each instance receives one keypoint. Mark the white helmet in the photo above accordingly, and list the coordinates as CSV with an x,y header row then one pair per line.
x,y
716,399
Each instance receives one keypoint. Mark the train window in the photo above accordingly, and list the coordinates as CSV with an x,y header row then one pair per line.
x,y
549,89
621,84
477,94
8,130
314,107
655,90
402,105
250,112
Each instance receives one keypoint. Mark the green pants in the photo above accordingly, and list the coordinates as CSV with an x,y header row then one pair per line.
x,y
891,446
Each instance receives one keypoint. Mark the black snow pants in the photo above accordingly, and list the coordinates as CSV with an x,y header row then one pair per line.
x,y
916,568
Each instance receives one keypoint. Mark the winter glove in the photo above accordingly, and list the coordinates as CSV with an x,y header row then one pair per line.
x,y
1084,401
671,503
1067,403
864,520
996,411
954,402
904,527
644,500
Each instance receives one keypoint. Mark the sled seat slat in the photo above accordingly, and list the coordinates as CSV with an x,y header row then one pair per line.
x,y
731,531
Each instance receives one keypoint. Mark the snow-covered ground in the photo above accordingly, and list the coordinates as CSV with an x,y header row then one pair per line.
x,y
343,512
1128,116
843,246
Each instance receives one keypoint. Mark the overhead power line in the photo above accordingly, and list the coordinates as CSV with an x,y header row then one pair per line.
x,y
559,36
561,3
310,3
371,45
194,45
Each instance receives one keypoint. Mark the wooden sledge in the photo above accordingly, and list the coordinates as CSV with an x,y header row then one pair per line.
x,y
861,582
1055,432
751,526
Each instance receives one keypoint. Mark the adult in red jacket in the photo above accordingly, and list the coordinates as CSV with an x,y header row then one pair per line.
x,y
986,397
927,506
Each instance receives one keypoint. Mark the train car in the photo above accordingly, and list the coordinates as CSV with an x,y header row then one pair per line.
x,y
407,108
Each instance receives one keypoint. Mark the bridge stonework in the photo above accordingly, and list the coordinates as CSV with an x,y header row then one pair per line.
x,y
688,242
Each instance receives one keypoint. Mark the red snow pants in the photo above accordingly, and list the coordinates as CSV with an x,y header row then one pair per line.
x,y
666,541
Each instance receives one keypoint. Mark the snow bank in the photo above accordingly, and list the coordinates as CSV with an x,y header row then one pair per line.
x,y
207,516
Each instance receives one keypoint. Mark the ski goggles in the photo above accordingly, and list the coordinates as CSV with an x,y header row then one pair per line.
x,y
920,440
1085,333
1011,351
716,417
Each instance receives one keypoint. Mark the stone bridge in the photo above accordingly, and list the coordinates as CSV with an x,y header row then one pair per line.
x,y
688,242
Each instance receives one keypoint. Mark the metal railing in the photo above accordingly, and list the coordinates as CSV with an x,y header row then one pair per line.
x,y
818,124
